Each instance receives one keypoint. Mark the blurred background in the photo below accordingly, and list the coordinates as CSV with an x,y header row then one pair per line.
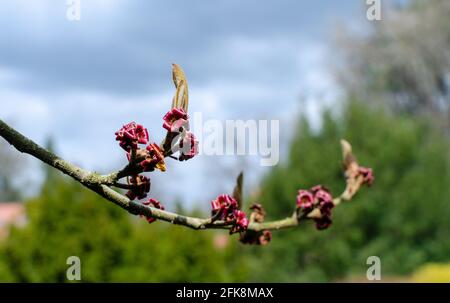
x,y
319,67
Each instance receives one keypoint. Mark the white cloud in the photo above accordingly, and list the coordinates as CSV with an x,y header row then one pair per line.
x,y
26,112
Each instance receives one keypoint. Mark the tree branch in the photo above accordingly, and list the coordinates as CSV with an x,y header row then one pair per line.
x,y
101,185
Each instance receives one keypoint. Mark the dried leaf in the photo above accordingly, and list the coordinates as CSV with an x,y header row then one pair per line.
x,y
347,154
181,98
237,192
351,171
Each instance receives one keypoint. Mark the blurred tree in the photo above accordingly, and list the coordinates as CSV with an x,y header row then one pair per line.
x,y
403,61
50,174
11,164
403,218
68,220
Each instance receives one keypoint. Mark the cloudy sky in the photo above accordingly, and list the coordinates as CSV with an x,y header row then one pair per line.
x,y
79,81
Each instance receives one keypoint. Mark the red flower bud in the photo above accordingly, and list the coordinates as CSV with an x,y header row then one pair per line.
x,y
226,205
241,221
325,201
153,203
154,159
317,197
141,186
188,147
305,200
215,206
367,174
316,188
323,223
252,237
130,135
265,237
322,196
175,119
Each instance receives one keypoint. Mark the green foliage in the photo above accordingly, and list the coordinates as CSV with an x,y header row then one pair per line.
x,y
402,62
403,218
68,220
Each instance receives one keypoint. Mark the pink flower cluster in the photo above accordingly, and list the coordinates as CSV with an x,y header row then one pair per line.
x,y
256,238
367,175
154,158
188,147
149,158
140,186
153,203
227,207
130,135
252,237
318,197
177,121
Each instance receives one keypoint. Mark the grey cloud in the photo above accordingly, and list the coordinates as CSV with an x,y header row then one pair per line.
x,y
130,51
